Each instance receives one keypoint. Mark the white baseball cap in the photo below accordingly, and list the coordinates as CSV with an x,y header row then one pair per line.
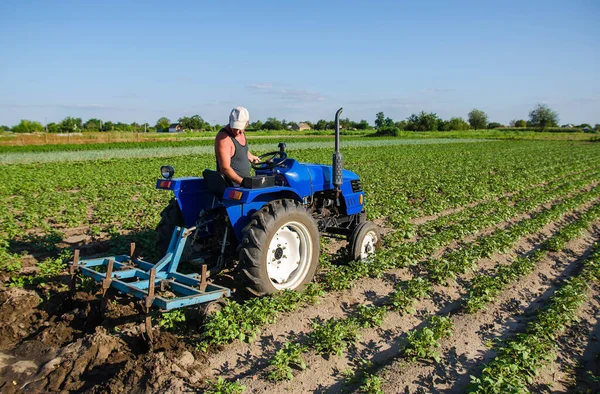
x,y
238,118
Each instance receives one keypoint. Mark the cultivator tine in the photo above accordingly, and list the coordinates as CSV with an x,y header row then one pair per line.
x,y
132,252
203,278
148,303
106,283
73,271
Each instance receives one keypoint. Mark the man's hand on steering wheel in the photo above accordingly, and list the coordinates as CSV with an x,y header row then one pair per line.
x,y
273,159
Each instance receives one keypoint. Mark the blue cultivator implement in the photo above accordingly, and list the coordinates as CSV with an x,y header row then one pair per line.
x,y
141,279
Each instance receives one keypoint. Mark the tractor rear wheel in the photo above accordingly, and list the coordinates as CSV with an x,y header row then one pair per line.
x,y
170,217
280,248
364,241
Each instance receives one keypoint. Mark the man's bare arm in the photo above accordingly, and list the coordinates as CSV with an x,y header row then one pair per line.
x,y
252,158
223,151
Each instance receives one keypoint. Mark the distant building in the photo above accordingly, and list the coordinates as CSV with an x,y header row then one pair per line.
x,y
300,126
175,128
568,126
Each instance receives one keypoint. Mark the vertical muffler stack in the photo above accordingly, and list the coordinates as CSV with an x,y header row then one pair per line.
x,y
338,164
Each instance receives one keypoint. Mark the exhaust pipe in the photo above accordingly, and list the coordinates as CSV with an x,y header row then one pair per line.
x,y
338,163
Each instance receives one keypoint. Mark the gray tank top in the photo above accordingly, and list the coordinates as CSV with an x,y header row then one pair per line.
x,y
239,161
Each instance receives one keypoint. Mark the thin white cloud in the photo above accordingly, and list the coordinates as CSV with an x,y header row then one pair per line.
x,y
436,90
260,86
297,95
65,106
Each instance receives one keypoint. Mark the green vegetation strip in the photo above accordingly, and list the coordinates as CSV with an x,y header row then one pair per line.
x,y
334,336
459,261
521,358
485,287
237,321
182,149
404,254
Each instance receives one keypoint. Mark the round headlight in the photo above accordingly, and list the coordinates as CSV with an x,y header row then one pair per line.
x,y
167,172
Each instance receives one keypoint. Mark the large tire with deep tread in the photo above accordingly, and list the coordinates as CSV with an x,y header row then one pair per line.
x,y
258,235
170,217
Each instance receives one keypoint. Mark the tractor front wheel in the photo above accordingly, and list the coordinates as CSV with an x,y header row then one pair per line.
x,y
364,241
280,248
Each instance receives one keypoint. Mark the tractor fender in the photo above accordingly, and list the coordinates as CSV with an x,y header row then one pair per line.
x,y
240,211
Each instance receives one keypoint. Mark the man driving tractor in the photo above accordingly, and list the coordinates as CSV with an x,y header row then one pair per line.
x,y
231,147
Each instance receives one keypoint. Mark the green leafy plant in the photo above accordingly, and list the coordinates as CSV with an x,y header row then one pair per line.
x,y
371,384
221,386
405,295
334,336
424,343
172,320
370,315
290,355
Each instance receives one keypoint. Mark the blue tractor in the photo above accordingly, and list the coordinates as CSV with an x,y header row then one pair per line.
x,y
269,227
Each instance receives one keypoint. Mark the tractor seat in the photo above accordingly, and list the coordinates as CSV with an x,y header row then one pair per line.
x,y
216,182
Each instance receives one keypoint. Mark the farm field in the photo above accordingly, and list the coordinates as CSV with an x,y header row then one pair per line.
x,y
489,280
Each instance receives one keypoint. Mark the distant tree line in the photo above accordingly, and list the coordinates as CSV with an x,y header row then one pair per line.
x,y
540,118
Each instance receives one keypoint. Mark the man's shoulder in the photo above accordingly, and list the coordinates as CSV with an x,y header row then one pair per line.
x,y
222,139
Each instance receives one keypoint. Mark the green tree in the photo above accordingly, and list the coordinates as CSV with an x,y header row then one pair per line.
x,y
456,124
194,122
422,122
70,125
4,128
345,124
109,126
93,125
27,126
52,128
379,120
272,124
120,126
362,125
163,123
401,125
256,125
520,123
321,125
542,117
478,119
494,125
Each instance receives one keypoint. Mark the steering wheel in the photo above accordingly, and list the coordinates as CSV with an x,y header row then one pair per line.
x,y
273,160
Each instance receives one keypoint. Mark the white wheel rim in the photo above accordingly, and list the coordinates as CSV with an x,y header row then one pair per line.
x,y
367,247
288,256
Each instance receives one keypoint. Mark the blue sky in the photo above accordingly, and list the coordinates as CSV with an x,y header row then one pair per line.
x,y
299,60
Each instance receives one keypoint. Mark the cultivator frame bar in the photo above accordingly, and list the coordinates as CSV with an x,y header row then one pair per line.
x,y
134,276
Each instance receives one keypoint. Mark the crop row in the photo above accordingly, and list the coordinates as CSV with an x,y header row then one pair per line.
x,y
404,254
460,260
335,335
520,359
485,287
238,321
464,258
